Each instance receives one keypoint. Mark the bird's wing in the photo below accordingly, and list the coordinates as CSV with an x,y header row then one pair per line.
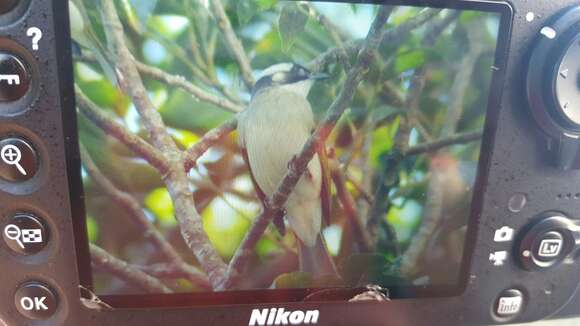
x,y
278,218
325,192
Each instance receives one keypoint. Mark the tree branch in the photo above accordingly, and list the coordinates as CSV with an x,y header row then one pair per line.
x,y
378,210
332,30
207,141
433,208
299,164
393,37
436,145
124,271
181,82
176,180
177,81
233,42
108,124
133,208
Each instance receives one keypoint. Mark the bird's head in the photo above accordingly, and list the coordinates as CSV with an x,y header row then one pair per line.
x,y
290,76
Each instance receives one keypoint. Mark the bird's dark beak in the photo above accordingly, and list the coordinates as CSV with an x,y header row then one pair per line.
x,y
319,76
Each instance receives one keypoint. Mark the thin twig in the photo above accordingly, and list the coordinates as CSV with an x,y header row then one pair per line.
x,y
177,81
208,140
134,209
457,139
233,42
332,30
108,124
392,37
349,208
107,262
299,164
181,82
190,222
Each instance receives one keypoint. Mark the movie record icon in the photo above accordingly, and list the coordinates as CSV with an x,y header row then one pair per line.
x,y
25,234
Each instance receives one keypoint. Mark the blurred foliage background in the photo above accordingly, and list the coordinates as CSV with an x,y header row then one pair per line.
x,y
182,38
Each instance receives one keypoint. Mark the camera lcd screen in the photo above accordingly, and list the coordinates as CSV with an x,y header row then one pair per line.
x,y
196,118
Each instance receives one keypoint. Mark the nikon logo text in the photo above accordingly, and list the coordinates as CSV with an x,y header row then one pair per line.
x,y
277,316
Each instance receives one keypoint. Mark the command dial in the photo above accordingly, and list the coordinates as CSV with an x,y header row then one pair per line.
x,y
567,82
553,86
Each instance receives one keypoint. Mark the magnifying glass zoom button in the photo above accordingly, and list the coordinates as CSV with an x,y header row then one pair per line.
x,y
19,161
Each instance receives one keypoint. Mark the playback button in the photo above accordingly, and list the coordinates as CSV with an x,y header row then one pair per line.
x,y
25,234
35,301
15,78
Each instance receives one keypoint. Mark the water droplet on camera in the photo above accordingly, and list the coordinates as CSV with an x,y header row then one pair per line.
x,y
517,202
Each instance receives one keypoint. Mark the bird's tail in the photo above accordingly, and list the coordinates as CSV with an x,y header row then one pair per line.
x,y
316,260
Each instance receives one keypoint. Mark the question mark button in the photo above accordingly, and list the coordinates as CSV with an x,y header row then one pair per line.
x,y
15,78
36,34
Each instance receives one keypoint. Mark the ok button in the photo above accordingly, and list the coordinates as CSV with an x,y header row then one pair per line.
x,y
35,301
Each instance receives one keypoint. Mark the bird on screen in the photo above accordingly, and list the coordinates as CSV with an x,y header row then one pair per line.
x,y
272,131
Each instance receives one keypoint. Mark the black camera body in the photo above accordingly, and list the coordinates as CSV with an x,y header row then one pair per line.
x,y
521,244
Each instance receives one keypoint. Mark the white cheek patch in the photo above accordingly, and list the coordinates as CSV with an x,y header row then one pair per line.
x,y
278,77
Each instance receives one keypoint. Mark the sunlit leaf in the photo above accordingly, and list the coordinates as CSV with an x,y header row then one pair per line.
x,y
266,4
405,219
266,247
186,138
409,60
225,227
291,24
92,229
294,280
159,203
169,26
383,141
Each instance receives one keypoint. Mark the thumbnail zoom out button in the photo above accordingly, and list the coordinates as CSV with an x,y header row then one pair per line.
x,y
35,301
25,234
15,78
19,161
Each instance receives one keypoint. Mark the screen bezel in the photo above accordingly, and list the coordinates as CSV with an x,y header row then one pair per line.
x,y
505,13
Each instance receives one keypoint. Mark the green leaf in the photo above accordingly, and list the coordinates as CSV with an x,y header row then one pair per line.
x,y
383,141
294,280
410,60
159,202
92,229
266,247
362,269
383,112
246,9
177,113
266,4
142,10
291,24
